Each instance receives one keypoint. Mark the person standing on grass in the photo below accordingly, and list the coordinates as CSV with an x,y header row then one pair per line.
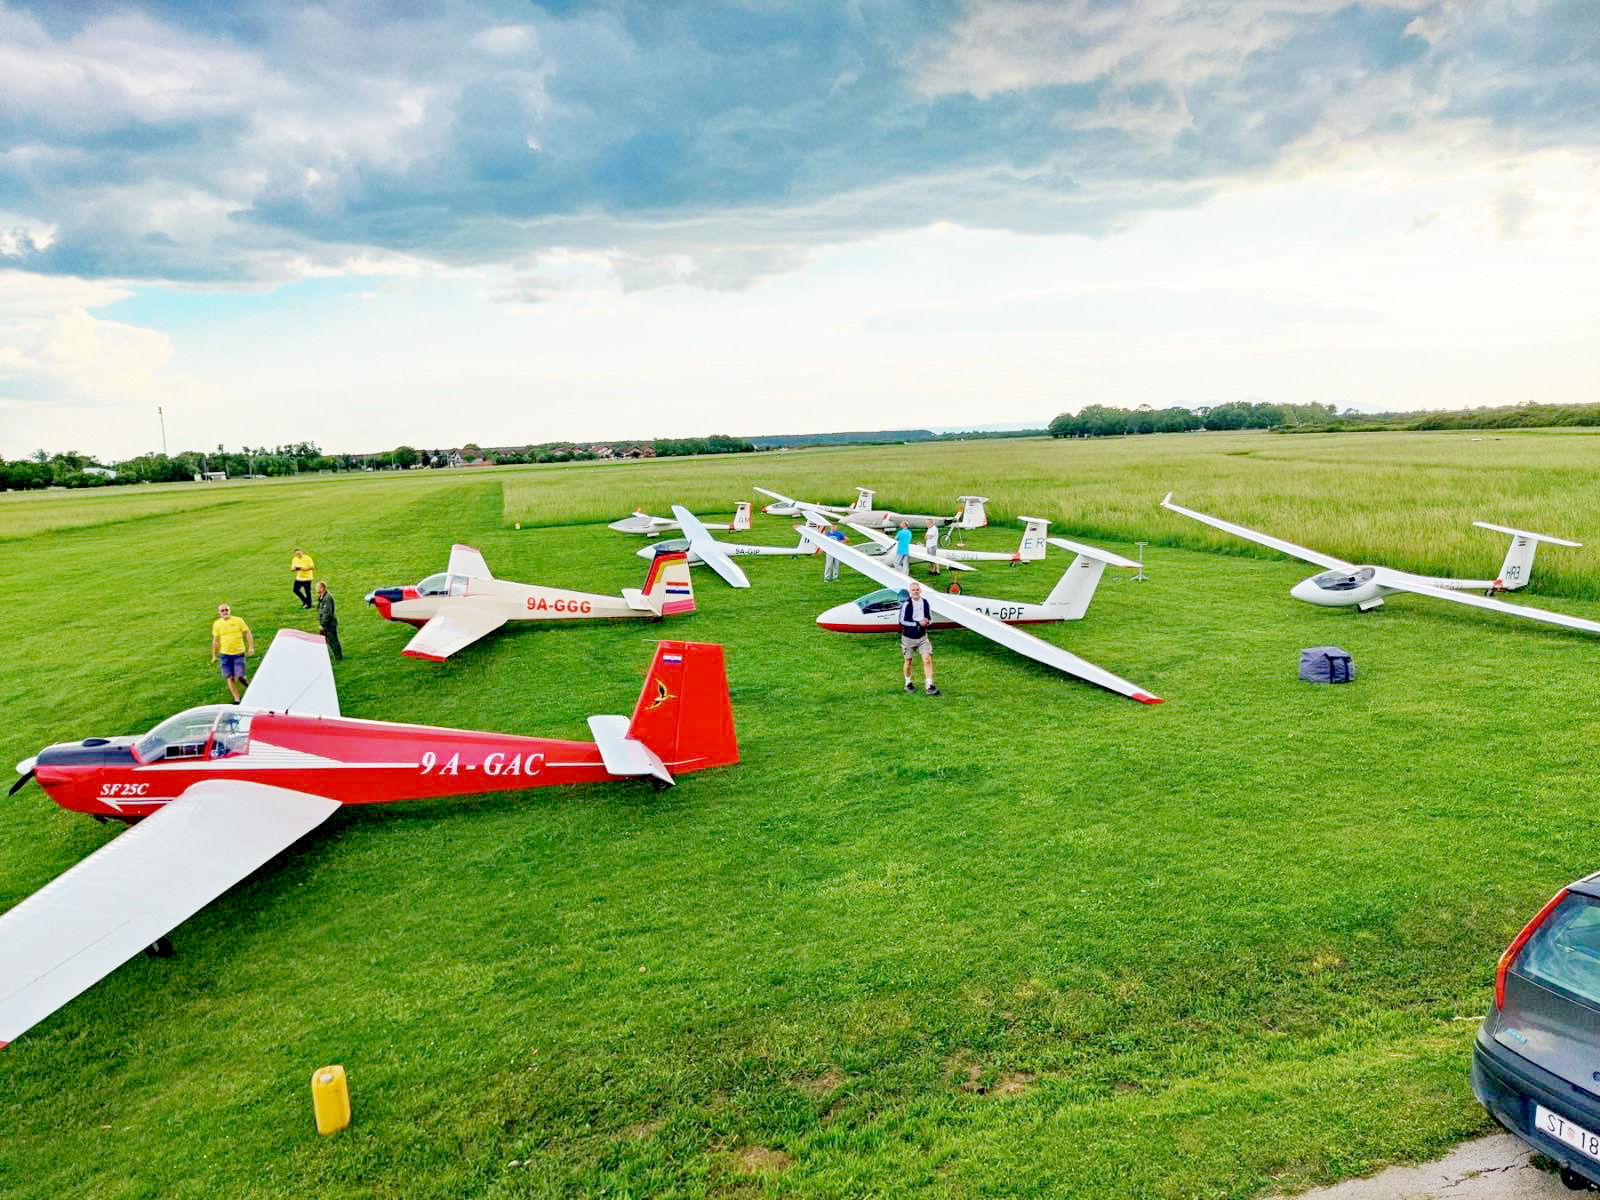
x,y
327,622
915,618
232,642
303,569
902,548
930,543
830,568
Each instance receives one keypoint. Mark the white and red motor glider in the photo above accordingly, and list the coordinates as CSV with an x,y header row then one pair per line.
x,y
218,791
465,602
878,612
970,514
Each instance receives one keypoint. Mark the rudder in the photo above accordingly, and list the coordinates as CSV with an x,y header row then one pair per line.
x,y
684,714
668,588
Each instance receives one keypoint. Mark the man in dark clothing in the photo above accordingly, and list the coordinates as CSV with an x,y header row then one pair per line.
x,y
327,621
915,617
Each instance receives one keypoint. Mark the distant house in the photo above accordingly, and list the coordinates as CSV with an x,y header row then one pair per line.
x,y
602,451
210,476
103,472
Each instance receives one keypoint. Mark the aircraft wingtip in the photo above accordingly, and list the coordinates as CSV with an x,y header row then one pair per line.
x,y
1147,698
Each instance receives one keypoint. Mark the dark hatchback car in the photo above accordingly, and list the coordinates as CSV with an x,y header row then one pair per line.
x,y
1536,1062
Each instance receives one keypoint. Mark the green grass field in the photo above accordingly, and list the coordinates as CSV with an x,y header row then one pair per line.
x,y
1025,939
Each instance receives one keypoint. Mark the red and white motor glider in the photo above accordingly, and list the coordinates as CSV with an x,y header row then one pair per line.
x,y
465,602
218,791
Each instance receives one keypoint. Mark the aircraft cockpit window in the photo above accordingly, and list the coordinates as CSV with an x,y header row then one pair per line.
x,y
458,585
1344,581
882,600
434,585
672,544
230,735
182,736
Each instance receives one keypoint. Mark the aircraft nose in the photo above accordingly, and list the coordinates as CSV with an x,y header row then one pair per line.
x,y
1307,591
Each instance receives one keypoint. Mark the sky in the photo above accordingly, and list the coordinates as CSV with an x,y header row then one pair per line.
x,y
432,223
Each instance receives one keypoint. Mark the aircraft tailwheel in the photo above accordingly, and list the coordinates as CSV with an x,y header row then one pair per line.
x,y
160,948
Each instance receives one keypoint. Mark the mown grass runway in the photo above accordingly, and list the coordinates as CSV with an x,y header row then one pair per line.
x,y
1026,939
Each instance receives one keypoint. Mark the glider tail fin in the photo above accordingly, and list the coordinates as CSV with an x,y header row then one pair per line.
x,y
970,513
741,517
863,501
1072,593
668,588
1518,566
1032,548
684,714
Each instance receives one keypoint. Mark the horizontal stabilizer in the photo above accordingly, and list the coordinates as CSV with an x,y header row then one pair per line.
x,y
623,755
1523,533
1094,552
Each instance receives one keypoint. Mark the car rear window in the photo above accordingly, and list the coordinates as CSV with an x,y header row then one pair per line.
x,y
1564,953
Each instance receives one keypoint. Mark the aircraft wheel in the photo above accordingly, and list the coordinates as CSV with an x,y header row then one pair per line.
x,y
660,785
160,948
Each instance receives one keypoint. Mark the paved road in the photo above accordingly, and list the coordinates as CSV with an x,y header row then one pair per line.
x,y
1488,1168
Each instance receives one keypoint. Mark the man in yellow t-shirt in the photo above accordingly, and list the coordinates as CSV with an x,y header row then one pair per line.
x,y
303,569
231,641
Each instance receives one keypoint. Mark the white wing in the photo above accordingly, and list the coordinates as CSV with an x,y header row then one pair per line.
x,y
1011,638
707,549
80,927
455,625
294,676
1401,582
466,560
1251,535
779,497
918,552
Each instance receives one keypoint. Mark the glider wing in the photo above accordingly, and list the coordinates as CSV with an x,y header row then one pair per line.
x,y
706,548
294,676
1011,638
1400,582
80,927
452,627
1251,535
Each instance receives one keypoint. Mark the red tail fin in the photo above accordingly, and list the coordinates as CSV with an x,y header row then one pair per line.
x,y
684,713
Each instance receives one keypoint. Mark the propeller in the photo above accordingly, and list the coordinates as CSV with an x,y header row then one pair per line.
x,y
25,773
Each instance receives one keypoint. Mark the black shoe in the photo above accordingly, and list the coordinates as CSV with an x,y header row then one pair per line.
x,y
910,687
932,691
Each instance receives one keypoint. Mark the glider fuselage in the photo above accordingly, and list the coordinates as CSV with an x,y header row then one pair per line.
x,y
879,612
418,604
346,759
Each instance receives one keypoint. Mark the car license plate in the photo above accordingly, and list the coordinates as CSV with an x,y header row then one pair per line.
x,y
1565,1131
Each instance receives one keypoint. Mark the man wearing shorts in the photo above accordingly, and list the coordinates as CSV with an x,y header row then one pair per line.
x,y
303,569
915,617
232,642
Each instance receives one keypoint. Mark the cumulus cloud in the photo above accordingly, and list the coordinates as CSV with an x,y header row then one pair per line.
x,y
706,146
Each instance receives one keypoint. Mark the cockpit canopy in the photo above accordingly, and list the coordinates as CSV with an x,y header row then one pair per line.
x,y
214,731
671,544
443,584
1344,581
882,600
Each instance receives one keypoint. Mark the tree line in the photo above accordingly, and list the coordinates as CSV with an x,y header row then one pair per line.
x,y
1099,420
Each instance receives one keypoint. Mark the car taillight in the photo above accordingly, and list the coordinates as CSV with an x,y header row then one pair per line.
x,y
1517,943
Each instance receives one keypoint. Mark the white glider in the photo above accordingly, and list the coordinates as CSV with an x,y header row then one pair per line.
x,y
1343,584
788,506
640,521
970,514
1031,548
988,617
707,549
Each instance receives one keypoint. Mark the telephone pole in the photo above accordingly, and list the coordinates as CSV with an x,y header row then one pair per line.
x,y
162,418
